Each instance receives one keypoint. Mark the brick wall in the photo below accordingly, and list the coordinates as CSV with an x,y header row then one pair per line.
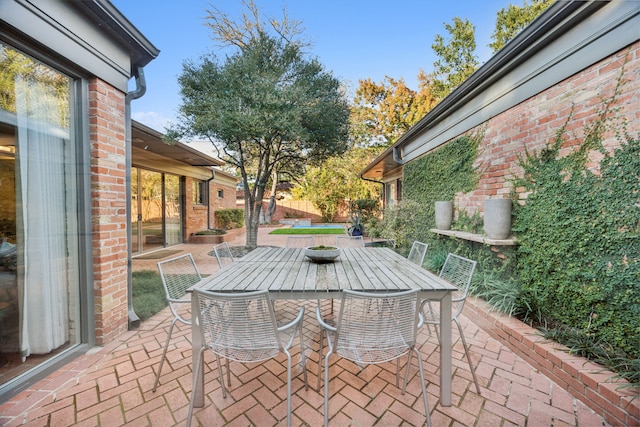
x,y
108,209
534,122
196,215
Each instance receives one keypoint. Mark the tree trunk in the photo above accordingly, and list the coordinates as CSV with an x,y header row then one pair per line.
x,y
253,206
271,208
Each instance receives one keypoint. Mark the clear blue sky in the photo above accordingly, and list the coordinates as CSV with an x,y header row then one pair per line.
x,y
353,39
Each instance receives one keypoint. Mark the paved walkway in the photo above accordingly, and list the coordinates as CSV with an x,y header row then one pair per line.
x,y
111,385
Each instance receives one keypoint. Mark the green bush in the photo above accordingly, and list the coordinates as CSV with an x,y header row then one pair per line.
x,y
226,219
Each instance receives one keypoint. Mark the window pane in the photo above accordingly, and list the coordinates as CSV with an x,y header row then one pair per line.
x,y
39,259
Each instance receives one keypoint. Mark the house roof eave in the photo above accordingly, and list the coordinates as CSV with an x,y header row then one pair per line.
x,y
145,138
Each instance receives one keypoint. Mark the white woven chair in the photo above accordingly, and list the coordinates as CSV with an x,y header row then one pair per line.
x,y
223,254
350,241
178,274
374,328
242,327
300,241
417,253
459,272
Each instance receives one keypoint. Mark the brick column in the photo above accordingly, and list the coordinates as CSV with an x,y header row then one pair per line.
x,y
108,209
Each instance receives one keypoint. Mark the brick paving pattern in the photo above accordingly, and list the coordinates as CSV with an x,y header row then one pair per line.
x,y
111,386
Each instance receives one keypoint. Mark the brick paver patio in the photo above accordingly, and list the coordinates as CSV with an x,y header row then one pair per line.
x,y
111,386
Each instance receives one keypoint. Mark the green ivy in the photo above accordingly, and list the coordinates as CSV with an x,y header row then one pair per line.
x,y
579,250
577,265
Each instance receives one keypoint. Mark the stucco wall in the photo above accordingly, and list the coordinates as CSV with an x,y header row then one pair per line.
x,y
534,122
108,209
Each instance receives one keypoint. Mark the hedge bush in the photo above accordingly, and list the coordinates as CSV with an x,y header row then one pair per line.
x,y
226,219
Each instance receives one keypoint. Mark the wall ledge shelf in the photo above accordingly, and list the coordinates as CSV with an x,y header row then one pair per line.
x,y
480,238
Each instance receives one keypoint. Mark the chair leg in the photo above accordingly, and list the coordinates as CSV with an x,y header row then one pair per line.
x,y
424,387
220,373
303,357
466,352
164,354
326,389
320,358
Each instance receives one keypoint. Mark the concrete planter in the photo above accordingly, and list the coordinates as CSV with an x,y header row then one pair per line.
x,y
497,218
214,239
444,215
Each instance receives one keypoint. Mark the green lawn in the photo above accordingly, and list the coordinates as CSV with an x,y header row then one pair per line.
x,y
318,230
148,293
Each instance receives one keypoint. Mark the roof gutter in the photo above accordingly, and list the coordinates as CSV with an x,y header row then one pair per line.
x,y
141,88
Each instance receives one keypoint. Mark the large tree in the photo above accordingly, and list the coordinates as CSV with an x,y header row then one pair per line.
x,y
512,19
384,111
456,57
265,106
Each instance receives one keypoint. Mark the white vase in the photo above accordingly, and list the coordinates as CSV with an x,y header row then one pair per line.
x,y
497,218
444,215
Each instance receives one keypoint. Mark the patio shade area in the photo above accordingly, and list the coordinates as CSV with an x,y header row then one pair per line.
x,y
112,385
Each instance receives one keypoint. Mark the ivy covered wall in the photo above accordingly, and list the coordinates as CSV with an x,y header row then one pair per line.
x,y
569,159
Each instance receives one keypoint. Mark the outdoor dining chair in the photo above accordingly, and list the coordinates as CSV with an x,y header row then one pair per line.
x,y
178,274
371,329
242,327
417,253
458,271
300,241
349,242
223,254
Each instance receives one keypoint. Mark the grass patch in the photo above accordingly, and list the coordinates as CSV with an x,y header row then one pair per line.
x,y
318,230
148,293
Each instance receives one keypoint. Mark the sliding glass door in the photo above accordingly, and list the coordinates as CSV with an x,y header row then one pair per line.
x,y
39,228
156,210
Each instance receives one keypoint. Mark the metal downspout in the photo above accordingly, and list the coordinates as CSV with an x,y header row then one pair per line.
x,y
213,176
141,88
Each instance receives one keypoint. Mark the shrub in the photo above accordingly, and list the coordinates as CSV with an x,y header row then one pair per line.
x,y
226,219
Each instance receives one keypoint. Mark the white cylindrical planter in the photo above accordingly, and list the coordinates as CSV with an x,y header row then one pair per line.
x,y
444,215
497,218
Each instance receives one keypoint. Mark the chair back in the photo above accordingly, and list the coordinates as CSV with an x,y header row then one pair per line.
x,y
376,328
223,254
300,241
238,326
458,271
178,274
417,253
349,242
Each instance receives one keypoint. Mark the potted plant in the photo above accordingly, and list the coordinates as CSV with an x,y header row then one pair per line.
x,y
322,253
356,227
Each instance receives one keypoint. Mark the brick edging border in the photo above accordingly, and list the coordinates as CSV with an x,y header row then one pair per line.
x,y
594,385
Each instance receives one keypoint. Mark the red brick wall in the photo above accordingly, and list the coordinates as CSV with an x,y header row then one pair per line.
x,y
108,209
196,215
534,122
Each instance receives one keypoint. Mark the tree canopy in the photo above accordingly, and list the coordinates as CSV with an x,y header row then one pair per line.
x,y
382,112
331,185
512,19
264,107
457,58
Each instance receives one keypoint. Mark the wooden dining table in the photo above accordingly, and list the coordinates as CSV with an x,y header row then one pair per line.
x,y
288,274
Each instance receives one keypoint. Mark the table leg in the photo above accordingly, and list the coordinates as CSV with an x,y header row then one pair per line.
x,y
198,377
445,350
